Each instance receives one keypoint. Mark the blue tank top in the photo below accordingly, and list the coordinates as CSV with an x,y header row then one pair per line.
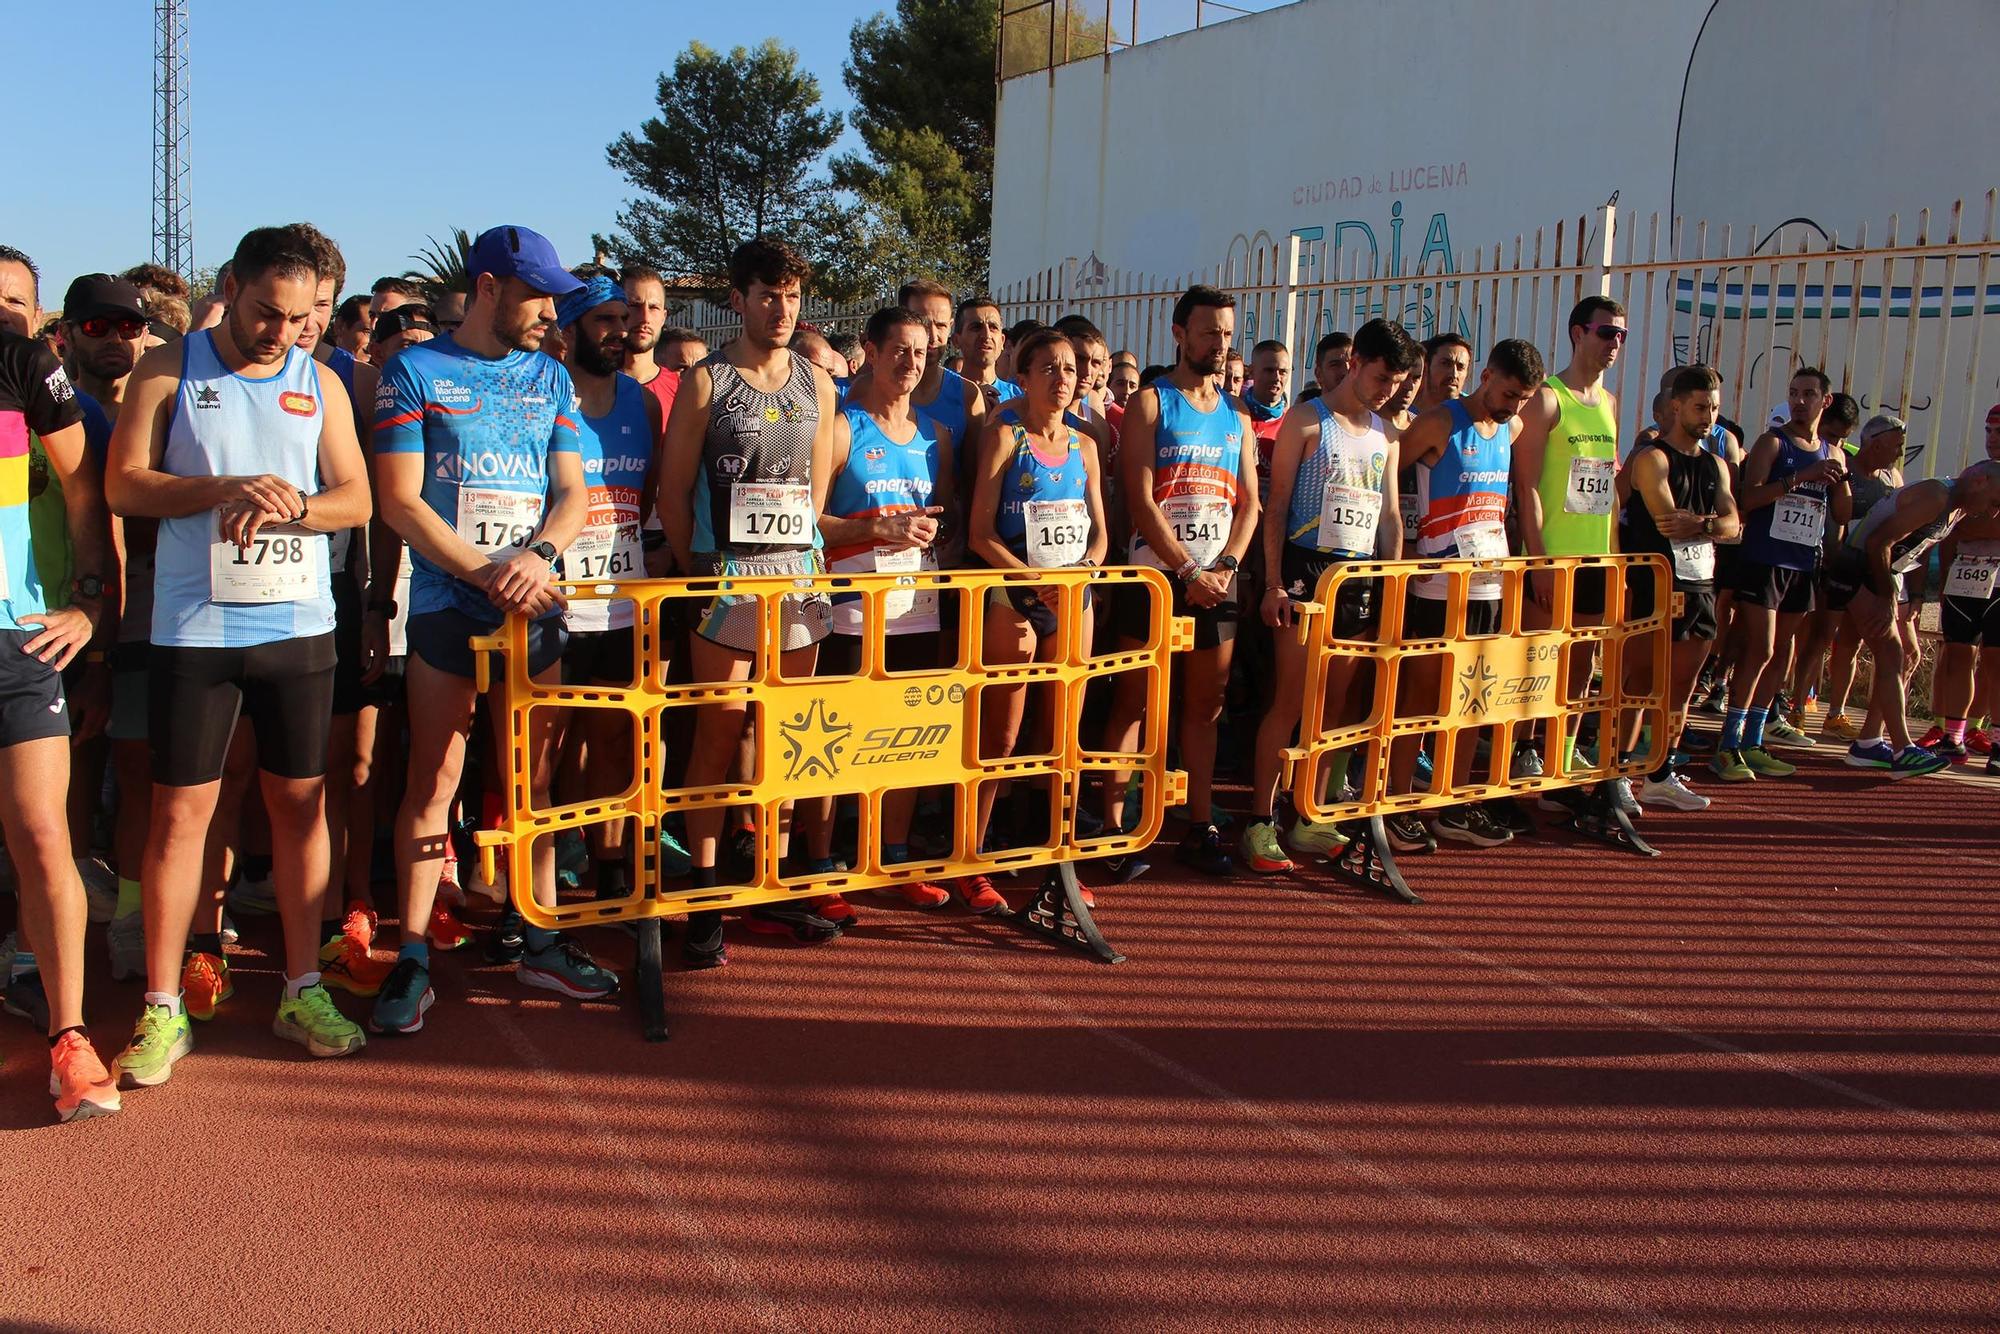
x,y
1028,479
1462,502
1197,463
881,477
1713,442
1759,543
614,450
208,593
947,410
1342,458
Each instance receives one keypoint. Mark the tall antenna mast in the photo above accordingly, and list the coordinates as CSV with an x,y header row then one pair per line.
x,y
173,228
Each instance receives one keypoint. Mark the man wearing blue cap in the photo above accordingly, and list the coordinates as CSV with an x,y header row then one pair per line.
x,y
477,469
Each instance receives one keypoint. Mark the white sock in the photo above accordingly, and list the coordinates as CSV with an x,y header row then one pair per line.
x,y
170,999
294,985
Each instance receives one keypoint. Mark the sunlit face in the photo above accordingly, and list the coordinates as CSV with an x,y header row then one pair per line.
x,y
935,312
646,300
770,314
322,315
19,310
1599,342
1503,395
900,357
681,354
1270,375
267,317
1232,375
114,352
1331,369
1093,365
1123,383
1881,450
1204,340
980,337
1993,435
598,339
1446,373
522,317
1806,399
1375,384
1696,412
1049,379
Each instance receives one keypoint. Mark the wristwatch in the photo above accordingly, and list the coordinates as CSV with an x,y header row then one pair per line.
x,y
1708,525
546,550
88,586
1224,563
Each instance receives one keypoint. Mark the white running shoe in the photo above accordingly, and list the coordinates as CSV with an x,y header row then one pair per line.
x,y
1622,798
127,938
1674,794
100,887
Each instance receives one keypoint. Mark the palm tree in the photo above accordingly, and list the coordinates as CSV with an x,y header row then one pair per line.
x,y
443,266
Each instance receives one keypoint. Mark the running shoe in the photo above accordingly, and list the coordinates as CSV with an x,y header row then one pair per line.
x,y
448,882
446,932
313,1021
126,937
701,944
352,968
1315,840
26,998
161,1038
505,945
1841,728
572,858
1715,702
917,893
1915,762
1506,813
496,888
1125,869
1560,801
1470,824
1766,765
1978,741
1731,767
565,967
1673,793
1701,744
674,859
797,920
1424,770
1202,849
1876,754
78,1081
1408,833
259,898
1261,851
1931,738
100,887
1527,762
1953,752
230,935
835,909
1795,718
979,896
359,925
205,984
1993,764
1622,798
1779,732
403,998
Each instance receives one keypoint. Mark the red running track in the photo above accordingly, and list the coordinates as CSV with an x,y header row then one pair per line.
x,y
1750,1085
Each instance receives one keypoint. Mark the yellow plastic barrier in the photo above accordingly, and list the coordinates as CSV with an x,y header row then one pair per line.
x,y
856,736
1501,688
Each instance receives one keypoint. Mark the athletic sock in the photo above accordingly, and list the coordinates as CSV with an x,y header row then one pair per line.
x,y
1732,729
1753,727
701,877
202,943
536,939
294,985
58,1035
129,899
1954,731
611,882
420,950
170,999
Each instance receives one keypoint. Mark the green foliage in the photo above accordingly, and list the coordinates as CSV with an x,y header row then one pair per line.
x,y
733,154
443,267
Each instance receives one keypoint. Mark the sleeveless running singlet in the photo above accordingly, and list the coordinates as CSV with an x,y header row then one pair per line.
x,y
1694,481
1044,515
947,410
211,593
1789,532
1906,552
884,477
1462,501
615,450
753,493
1579,472
1336,502
1198,458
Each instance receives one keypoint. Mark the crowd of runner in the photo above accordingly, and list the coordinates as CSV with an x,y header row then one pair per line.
x,y
245,540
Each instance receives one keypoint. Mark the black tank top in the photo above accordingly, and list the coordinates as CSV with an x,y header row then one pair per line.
x,y
1693,480
754,437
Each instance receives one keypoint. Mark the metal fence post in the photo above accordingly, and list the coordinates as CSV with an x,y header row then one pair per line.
x,y
1288,299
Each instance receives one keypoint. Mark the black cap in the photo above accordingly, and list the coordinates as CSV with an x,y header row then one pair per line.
x,y
97,294
400,320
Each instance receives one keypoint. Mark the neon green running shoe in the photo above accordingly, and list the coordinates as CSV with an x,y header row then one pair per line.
x,y
1315,840
161,1038
312,1020
1766,765
1261,851
1729,766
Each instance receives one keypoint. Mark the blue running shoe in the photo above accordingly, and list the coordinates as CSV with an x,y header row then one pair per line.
x,y
1876,754
405,995
1915,762
565,967
1423,778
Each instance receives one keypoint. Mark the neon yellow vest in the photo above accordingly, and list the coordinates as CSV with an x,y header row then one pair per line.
x,y
1582,431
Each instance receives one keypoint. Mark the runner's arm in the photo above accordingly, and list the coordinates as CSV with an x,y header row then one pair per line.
x,y
1389,525
398,442
981,536
1915,507
1758,491
342,500
1136,456
822,460
1243,524
1286,452
1100,536
135,485
680,463
649,485
1524,472
1728,519
1649,483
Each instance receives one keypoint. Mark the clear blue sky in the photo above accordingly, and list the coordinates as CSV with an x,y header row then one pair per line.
x,y
381,122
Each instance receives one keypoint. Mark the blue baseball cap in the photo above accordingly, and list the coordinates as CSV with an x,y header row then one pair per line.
x,y
516,252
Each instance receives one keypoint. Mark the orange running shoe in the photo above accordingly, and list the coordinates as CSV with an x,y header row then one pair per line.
x,y
979,895
351,968
78,1081
446,931
835,909
205,985
918,893
359,925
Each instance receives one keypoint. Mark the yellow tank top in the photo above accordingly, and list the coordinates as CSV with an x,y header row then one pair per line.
x,y
1579,471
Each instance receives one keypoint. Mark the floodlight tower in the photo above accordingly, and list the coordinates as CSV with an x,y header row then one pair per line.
x,y
173,228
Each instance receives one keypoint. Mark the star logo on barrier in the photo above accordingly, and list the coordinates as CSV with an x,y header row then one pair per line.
x,y
1475,687
813,742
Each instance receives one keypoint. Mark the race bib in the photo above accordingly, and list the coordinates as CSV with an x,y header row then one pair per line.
x,y
1481,541
498,523
1972,577
1058,532
282,564
608,551
901,602
775,513
1413,522
1694,560
1592,486
1201,524
1349,517
1800,519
